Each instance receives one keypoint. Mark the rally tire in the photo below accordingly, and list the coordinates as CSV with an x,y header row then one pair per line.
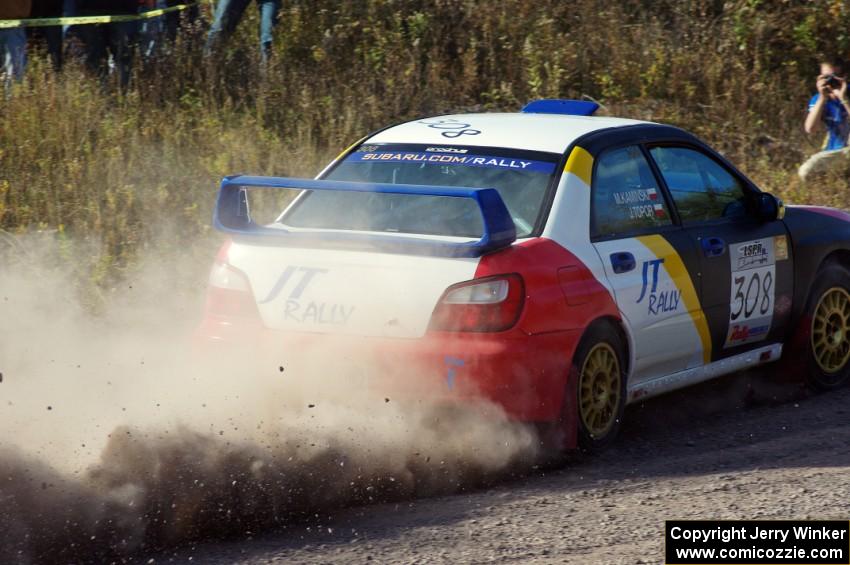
x,y
600,388
827,319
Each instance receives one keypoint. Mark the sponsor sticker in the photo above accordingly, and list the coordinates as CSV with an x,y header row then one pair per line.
x,y
780,247
446,150
290,293
662,299
485,161
451,128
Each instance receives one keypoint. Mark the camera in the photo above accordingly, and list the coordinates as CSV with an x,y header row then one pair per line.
x,y
833,81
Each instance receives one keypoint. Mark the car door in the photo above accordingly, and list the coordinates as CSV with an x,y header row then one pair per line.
x,y
746,269
649,263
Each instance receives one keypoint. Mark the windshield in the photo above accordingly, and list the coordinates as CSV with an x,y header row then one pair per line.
x,y
521,177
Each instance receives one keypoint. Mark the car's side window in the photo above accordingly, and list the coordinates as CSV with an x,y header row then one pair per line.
x,y
626,198
702,189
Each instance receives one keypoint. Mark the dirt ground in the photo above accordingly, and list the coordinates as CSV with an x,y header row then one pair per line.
x,y
738,448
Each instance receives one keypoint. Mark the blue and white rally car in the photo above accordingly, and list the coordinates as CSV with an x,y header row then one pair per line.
x,y
559,264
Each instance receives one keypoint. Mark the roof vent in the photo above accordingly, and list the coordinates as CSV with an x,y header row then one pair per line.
x,y
566,107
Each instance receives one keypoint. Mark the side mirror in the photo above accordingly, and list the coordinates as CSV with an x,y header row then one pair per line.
x,y
768,207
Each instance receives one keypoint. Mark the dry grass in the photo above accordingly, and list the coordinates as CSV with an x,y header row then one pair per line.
x,y
118,176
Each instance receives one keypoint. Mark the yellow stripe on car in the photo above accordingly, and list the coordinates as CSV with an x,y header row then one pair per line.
x,y
580,163
677,271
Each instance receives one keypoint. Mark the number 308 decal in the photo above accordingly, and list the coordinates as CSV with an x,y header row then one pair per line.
x,y
756,299
751,297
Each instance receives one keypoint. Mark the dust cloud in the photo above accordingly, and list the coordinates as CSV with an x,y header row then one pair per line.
x,y
122,436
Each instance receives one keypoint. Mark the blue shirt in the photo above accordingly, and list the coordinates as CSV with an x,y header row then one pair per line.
x,y
835,119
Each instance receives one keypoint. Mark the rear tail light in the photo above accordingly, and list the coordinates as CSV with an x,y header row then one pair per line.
x,y
481,305
229,292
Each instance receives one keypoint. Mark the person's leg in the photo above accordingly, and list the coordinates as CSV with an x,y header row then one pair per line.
x,y
269,10
175,20
15,60
5,60
192,13
823,162
150,32
122,39
53,36
69,10
93,38
73,36
172,20
227,16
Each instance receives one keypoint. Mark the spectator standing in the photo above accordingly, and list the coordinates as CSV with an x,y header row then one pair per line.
x,y
69,9
227,16
830,108
13,41
150,31
115,39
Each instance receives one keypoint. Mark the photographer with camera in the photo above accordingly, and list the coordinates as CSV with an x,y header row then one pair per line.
x,y
831,107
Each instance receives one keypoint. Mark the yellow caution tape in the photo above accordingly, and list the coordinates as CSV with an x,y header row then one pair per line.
x,y
86,20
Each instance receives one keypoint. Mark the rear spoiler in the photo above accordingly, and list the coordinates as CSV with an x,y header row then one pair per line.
x,y
233,216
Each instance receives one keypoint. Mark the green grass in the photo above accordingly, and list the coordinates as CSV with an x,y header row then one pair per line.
x,y
115,177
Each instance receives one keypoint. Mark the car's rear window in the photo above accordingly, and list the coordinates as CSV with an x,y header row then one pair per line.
x,y
521,177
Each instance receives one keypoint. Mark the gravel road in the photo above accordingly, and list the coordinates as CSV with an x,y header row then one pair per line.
x,y
742,447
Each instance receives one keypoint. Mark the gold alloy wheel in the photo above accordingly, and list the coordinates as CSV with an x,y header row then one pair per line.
x,y
599,389
831,330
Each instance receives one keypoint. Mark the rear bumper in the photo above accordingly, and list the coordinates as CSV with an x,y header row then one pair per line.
x,y
524,374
